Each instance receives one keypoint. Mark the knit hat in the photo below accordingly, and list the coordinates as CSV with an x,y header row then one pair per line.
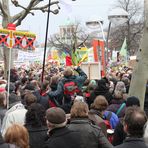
x,y
56,115
132,101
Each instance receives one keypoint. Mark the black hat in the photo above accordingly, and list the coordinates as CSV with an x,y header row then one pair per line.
x,y
13,99
132,101
11,87
30,87
56,115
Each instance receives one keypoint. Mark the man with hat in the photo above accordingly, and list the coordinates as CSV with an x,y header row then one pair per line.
x,y
60,135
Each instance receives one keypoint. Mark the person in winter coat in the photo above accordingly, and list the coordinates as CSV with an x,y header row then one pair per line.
x,y
69,77
54,83
59,135
35,123
134,121
42,94
98,109
29,98
119,134
15,114
17,134
101,89
2,107
118,105
91,135
3,144
96,113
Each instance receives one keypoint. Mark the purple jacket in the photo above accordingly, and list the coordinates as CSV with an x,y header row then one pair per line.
x,y
115,105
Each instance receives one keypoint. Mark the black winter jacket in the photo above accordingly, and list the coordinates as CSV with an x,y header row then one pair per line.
x,y
119,134
37,136
132,143
63,138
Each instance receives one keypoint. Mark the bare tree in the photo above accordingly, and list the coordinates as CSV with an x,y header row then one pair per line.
x,y
132,29
18,18
70,38
139,76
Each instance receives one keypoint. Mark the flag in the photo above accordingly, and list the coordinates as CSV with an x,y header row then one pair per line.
x,y
123,51
68,61
74,58
84,58
63,55
66,6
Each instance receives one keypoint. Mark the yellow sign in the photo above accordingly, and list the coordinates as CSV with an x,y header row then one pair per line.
x,y
17,39
18,33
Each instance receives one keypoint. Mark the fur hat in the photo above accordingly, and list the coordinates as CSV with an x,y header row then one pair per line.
x,y
56,115
120,86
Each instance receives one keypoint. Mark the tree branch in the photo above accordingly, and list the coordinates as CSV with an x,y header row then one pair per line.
x,y
16,4
32,6
23,13
3,12
45,6
82,43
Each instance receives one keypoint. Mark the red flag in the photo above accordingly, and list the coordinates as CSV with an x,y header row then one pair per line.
x,y
68,61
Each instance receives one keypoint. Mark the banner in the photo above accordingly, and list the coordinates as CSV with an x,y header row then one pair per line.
x,y
36,56
17,39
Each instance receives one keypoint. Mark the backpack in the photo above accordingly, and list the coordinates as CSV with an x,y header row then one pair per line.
x,y
112,118
70,88
110,131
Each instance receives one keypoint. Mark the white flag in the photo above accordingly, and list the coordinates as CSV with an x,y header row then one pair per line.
x,y
65,6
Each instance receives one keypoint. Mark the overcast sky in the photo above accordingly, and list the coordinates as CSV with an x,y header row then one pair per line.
x,y
80,10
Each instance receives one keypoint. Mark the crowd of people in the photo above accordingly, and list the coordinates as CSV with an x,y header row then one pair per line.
x,y
68,110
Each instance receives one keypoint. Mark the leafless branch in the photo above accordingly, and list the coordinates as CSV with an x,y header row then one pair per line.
x,y
18,18
45,6
16,4
23,13
69,40
3,12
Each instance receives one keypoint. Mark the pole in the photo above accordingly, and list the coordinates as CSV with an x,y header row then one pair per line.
x,y
102,62
45,46
102,31
9,78
108,33
10,49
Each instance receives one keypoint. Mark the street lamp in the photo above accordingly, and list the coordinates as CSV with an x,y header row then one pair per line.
x,y
96,23
117,16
